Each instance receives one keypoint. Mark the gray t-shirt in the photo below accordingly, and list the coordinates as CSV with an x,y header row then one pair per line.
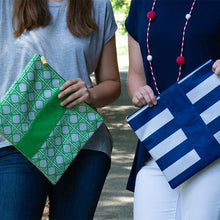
x,y
70,56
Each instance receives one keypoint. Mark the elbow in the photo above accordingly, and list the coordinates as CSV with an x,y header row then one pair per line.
x,y
117,91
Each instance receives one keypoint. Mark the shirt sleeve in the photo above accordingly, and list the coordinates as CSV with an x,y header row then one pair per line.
x,y
110,24
131,21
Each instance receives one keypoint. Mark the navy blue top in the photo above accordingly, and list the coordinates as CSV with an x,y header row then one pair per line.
x,y
202,42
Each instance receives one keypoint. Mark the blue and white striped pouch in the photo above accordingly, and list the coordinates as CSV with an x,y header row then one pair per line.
x,y
182,133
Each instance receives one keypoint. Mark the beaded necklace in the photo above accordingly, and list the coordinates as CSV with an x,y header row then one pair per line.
x,y
151,15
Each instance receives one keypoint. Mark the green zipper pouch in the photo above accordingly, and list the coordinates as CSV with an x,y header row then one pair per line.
x,y
31,118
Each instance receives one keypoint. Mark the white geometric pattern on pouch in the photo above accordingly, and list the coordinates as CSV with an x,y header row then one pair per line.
x,y
25,127
59,160
51,170
58,141
91,116
51,152
16,119
6,110
14,98
73,119
23,87
16,138
65,130
31,115
66,148
43,163
30,76
56,82
38,85
31,96
51,134
91,133
46,74
82,108
44,145
24,108
82,127
38,65
47,93
7,130
39,104
75,137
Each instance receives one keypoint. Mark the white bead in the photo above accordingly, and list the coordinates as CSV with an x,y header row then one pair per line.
x,y
149,58
188,16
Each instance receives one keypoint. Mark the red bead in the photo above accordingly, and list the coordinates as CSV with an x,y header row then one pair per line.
x,y
151,15
180,60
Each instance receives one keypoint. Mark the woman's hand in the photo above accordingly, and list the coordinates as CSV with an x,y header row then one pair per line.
x,y
143,96
216,67
76,92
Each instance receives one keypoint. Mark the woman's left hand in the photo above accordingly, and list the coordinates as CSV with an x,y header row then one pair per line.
x,y
76,92
216,67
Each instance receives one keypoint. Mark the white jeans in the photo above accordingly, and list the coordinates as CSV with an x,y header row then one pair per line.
x,y
196,199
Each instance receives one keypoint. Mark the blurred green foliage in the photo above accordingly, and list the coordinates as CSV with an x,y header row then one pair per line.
x,y
121,9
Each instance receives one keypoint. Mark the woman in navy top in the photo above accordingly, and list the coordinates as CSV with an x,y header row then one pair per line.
x,y
167,40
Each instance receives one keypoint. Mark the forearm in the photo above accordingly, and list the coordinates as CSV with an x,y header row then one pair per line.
x,y
134,83
104,93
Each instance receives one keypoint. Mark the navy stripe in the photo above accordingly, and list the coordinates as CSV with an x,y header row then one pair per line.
x,y
214,125
174,155
146,115
207,101
179,105
194,169
160,135
186,174
198,77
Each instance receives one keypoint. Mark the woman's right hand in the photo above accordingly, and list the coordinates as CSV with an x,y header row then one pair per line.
x,y
143,96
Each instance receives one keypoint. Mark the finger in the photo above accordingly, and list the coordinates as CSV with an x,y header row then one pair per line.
x,y
74,97
217,70
141,99
215,65
152,97
69,83
136,102
76,102
80,85
68,90
148,96
148,100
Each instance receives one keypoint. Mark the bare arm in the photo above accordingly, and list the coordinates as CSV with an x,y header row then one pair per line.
x,y
139,92
108,86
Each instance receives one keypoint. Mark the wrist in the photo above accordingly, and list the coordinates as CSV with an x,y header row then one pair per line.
x,y
91,97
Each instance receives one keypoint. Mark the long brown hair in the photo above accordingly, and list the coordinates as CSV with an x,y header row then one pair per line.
x,y
30,14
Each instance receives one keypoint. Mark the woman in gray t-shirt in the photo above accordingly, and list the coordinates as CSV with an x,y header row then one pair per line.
x,y
77,38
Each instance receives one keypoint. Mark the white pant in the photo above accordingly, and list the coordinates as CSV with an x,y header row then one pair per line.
x,y
196,199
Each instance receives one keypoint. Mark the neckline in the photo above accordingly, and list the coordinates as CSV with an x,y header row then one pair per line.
x,y
57,4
